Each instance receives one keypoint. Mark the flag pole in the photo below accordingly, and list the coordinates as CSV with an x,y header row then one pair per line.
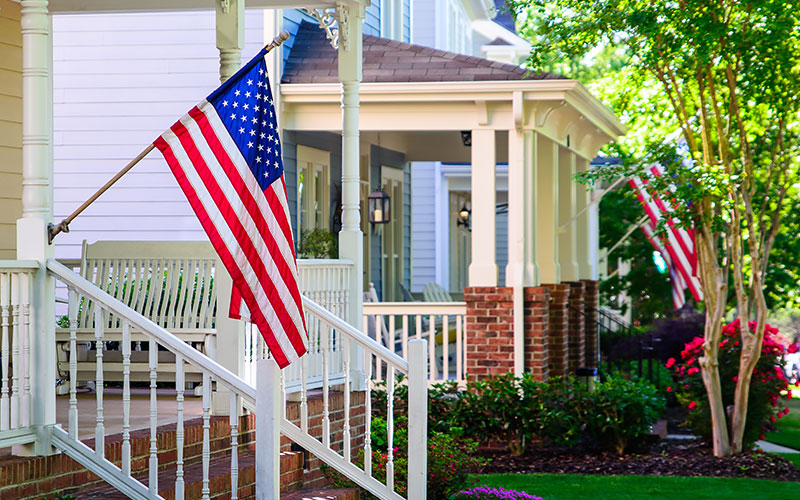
x,y
63,226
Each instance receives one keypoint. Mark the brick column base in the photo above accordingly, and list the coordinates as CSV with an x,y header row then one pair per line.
x,y
577,338
489,338
591,303
558,329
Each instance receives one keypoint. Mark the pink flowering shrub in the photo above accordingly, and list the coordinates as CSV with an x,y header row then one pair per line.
x,y
487,493
765,388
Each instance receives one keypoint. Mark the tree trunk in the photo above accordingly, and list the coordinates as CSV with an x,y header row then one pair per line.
x,y
751,352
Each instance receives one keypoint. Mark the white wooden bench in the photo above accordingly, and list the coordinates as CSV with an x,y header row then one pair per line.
x,y
169,282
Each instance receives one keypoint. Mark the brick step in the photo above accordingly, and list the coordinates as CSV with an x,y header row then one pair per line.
x,y
219,478
322,494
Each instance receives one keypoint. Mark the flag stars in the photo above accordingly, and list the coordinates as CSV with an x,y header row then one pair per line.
x,y
256,108
258,96
225,104
233,116
258,159
263,135
241,130
261,147
249,82
235,104
260,71
263,124
250,144
277,165
252,132
255,120
246,106
237,93
247,95
244,118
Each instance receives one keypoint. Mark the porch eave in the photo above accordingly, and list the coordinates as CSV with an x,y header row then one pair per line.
x,y
96,6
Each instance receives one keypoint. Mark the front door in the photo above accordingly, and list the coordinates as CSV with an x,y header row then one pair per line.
x,y
313,189
392,238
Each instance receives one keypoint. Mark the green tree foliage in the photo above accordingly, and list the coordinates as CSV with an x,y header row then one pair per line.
x,y
708,90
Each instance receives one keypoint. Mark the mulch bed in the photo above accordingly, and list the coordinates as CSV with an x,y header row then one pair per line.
x,y
667,457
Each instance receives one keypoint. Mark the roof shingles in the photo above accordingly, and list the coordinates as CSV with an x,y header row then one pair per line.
x,y
313,60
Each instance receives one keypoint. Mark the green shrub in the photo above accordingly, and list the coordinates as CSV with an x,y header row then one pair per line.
x,y
317,244
621,410
516,410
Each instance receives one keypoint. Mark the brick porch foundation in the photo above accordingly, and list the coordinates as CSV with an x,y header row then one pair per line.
x,y
490,331
577,320
591,302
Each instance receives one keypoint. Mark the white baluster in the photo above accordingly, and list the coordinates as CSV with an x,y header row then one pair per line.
x,y
326,421
390,378
390,337
15,351
405,337
206,434
234,420
99,431
445,347
368,412
419,326
180,383
153,362
304,392
346,425
432,346
72,315
5,406
417,420
25,337
126,398
459,350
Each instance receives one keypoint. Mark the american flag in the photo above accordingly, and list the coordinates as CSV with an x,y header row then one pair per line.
x,y
679,241
226,155
678,283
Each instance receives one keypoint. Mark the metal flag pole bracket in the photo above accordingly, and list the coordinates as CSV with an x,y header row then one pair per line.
x,y
63,226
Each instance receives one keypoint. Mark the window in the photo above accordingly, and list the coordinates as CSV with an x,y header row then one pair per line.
x,y
313,189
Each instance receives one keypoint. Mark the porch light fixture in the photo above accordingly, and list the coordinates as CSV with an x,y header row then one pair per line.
x,y
466,138
379,207
463,217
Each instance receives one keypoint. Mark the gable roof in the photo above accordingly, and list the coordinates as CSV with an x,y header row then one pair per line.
x,y
313,60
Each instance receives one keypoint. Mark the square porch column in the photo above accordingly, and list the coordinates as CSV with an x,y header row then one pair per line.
x,y
587,253
547,207
567,208
483,268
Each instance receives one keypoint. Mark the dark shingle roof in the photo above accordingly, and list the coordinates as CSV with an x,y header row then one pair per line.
x,y
313,60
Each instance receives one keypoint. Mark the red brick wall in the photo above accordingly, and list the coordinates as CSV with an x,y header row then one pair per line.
x,y
490,330
591,300
577,337
558,330
38,477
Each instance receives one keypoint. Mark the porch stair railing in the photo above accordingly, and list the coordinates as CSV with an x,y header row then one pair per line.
x,y
361,354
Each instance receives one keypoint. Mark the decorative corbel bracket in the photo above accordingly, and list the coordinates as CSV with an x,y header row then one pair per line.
x,y
335,22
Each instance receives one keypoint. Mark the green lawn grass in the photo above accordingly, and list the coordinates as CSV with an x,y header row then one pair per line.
x,y
792,457
788,433
579,487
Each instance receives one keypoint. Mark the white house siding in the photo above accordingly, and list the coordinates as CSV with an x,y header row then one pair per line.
x,y
292,18
120,81
407,20
424,24
372,19
423,234
10,126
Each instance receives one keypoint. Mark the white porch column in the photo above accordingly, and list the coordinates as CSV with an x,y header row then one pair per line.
x,y
351,244
37,211
586,255
547,210
230,36
521,268
483,268
229,350
567,205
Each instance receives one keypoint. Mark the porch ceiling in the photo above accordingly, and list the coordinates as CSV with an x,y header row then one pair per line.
x,y
562,110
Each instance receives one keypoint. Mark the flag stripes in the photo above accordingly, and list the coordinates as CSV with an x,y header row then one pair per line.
x,y
257,251
679,244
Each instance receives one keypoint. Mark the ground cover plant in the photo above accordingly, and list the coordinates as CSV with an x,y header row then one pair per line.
x,y
581,487
765,406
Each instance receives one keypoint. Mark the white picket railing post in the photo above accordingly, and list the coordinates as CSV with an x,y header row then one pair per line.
x,y
268,433
417,419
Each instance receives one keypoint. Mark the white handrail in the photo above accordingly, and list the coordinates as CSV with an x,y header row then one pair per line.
x,y
173,343
355,335
412,308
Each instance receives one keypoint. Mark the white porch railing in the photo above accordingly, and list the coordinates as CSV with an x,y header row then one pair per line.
x,y
327,283
16,279
392,324
271,403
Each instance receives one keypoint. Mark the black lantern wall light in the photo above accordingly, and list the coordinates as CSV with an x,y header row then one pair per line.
x,y
463,218
379,206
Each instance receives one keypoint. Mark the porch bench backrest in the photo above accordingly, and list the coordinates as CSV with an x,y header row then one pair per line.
x,y
169,282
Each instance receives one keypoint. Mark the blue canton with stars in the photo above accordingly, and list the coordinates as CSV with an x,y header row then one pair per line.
x,y
244,103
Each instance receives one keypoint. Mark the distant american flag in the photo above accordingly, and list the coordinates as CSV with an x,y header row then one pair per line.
x,y
678,283
226,155
679,243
